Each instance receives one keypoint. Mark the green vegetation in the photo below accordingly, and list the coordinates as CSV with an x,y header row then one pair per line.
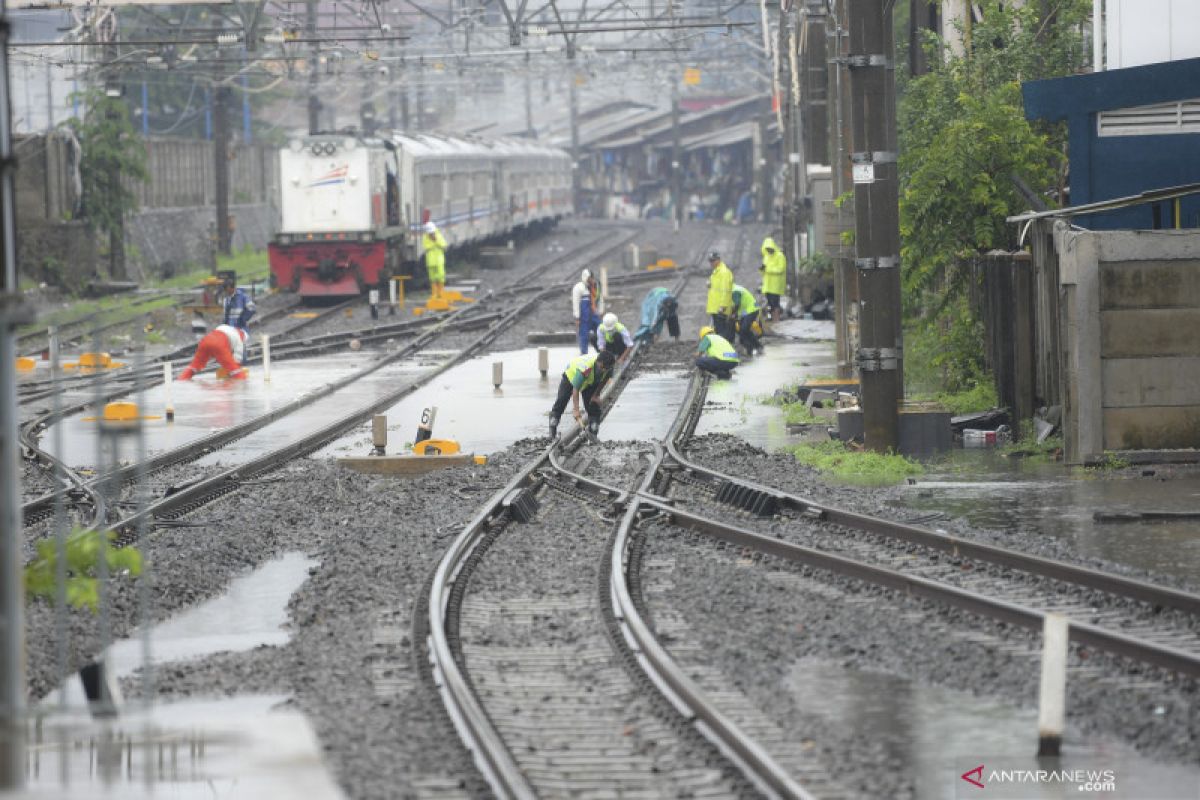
x,y
82,562
964,141
112,158
799,414
108,310
863,468
980,397
249,264
1111,461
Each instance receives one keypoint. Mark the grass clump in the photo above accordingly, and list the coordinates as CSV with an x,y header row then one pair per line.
x,y
249,264
863,468
799,414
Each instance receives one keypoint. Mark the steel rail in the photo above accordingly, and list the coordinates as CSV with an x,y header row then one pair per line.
x,y
31,429
1086,577
691,701
1172,658
218,439
475,728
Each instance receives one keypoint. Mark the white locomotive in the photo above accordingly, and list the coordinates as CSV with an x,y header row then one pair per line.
x,y
354,207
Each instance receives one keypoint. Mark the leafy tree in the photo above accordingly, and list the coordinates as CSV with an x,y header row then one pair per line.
x,y
963,140
82,559
112,158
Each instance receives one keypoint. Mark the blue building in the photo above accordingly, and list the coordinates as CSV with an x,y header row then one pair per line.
x,y
1131,130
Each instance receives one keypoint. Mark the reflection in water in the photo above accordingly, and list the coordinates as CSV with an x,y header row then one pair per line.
x,y
938,734
1048,499
243,748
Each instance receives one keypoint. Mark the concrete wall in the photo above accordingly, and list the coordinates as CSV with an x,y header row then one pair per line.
x,y
177,207
1131,358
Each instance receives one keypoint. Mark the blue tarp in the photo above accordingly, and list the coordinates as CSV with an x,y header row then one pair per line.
x,y
657,306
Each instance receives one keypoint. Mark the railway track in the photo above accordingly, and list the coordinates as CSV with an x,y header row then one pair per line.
x,y
508,712
1154,625
570,711
90,492
84,492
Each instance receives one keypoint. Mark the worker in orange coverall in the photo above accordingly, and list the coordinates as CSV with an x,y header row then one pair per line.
x,y
227,346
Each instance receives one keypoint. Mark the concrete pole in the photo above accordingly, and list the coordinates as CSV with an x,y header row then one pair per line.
x,y
529,131
314,66
845,280
876,224
12,584
221,168
676,155
574,138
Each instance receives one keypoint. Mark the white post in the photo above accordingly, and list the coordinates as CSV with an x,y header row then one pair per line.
x,y
603,286
1097,35
168,383
52,335
637,257
266,348
543,361
392,292
1052,699
497,373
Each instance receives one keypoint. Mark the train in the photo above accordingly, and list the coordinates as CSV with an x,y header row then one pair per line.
x,y
354,207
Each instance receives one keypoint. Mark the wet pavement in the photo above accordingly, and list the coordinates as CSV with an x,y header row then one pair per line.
x,y
990,491
938,734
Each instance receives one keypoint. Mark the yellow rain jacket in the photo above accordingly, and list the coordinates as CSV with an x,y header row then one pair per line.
x,y
720,291
774,269
435,256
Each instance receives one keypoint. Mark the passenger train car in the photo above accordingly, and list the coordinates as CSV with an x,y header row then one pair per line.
x,y
354,208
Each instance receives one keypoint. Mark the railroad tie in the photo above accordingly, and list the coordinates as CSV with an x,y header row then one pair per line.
x,y
747,498
522,505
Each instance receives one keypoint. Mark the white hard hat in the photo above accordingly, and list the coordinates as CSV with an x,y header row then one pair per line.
x,y
587,273
609,322
430,227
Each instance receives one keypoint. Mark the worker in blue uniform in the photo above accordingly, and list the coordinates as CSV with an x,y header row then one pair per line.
x,y
583,378
586,308
239,308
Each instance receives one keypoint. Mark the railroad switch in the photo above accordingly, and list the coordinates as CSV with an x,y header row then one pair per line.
x,y
521,504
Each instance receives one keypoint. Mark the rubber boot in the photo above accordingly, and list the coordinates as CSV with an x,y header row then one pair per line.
x,y
553,427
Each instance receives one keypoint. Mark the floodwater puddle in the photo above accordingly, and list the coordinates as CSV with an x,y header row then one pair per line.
x,y
470,409
990,491
250,613
205,405
241,747
801,349
939,734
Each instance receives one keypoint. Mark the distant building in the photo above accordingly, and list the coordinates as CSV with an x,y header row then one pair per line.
x,y
1130,131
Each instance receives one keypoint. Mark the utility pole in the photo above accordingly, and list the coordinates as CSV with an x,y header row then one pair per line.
x,y
876,223
845,277
314,66
221,167
12,583
529,130
366,111
574,136
676,154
